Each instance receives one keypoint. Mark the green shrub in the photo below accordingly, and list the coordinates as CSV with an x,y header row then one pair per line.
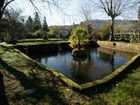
x,y
40,33
9,38
78,37
133,39
103,33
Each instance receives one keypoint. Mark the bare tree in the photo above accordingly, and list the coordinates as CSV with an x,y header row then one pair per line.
x,y
115,8
5,3
86,12
88,23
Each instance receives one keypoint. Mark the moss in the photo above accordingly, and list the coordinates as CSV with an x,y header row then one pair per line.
x,y
112,75
68,81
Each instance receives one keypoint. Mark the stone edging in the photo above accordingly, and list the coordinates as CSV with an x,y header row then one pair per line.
x,y
122,46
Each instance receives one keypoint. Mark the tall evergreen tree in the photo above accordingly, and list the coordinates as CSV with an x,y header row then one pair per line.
x,y
29,24
45,25
37,22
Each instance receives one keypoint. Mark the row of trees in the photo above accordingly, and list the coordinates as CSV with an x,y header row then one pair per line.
x,y
113,8
13,26
6,3
35,24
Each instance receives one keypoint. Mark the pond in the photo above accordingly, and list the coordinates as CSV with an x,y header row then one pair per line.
x,y
99,63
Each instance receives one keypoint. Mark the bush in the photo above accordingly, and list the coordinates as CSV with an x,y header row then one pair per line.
x,y
40,33
78,38
103,32
133,39
9,38
52,35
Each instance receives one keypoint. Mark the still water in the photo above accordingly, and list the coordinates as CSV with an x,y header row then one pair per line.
x,y
99,63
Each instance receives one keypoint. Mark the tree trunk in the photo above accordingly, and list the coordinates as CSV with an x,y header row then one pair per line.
x,y
79,44
112,29
1,6
0,15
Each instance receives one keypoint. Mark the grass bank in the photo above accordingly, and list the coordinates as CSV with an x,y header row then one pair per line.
x,y
31,42
39,46
25,83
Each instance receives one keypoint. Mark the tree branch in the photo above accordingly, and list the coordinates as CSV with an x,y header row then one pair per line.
x,y
6,4
34,5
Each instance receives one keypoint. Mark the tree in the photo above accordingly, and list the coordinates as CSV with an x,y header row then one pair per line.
x,y
86,12
41,33
54,31
12,26
103,32
45,25
114,8
29,24
78,37
5,3
88,23
37,22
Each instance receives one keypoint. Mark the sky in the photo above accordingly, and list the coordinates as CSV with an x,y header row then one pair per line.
x,y
70,12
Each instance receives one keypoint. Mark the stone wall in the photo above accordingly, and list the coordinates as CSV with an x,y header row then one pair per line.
x,y
129,47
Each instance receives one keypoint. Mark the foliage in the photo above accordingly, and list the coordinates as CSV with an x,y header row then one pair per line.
x,y
78,37
124,28
41,33
115,8
59,31
12,26
8,38
54,32
37,22
133,39
29,24
103,32
45,25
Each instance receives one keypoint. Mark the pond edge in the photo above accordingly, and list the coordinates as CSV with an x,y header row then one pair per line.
x,y
73,84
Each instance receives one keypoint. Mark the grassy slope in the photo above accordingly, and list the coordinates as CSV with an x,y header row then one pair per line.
x,y
25,83
124,92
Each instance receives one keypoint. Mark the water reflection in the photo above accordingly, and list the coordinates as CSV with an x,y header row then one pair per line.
x,y
108,58
99,63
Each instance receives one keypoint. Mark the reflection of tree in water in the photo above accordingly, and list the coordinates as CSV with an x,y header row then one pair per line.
x,y
79,72
112,61
89,70
81,67
108,58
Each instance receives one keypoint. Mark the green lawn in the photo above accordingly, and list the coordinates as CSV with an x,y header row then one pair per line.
x,y
124,92
29,42
28,84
